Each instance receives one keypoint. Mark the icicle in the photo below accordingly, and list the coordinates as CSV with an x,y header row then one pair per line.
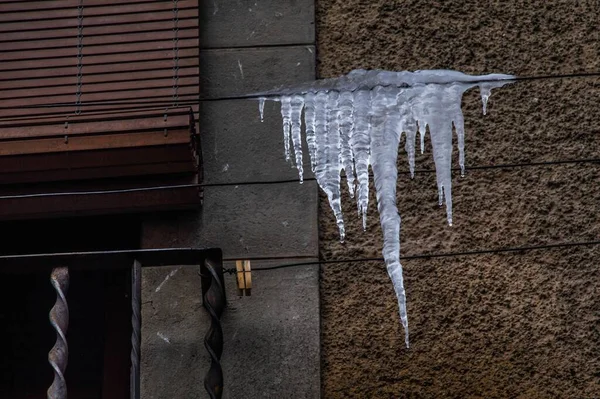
x,y
440,130
332,163
328,167
297,102
286,114
361,149
320,126
309,122
385,137
422,130
346,130
485,91
459,126
363,126
408,125
261,108
411,136
441,141
437,106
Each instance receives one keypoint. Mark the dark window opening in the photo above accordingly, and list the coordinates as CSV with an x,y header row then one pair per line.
x,y
99,233
99,330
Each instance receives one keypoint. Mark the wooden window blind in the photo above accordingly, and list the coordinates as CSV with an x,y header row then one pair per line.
x,y
98,95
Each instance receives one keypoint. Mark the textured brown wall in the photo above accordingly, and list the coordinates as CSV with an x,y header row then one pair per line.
x,y
525,324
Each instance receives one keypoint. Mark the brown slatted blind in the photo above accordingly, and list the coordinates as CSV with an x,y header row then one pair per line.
x,y
93,96
128,56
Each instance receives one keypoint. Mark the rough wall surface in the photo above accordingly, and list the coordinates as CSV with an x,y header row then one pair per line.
x,y
509,325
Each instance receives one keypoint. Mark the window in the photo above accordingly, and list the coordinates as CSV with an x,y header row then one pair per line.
x,y
99,332
98,97
98,111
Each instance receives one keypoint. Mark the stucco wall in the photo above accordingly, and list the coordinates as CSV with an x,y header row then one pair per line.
x,y
510,325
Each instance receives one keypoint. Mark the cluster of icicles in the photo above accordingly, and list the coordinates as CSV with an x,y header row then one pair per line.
x,y
357,120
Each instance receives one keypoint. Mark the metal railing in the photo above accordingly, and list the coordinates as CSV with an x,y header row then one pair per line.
x,y
60,264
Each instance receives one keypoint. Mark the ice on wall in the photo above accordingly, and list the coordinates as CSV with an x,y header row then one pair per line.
x,y
357,120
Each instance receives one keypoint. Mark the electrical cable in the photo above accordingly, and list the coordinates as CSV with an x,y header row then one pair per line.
x,y
256,96
467,169
424,256
270,182
97,192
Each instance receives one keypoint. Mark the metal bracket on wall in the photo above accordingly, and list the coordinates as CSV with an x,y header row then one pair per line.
x,y
213,294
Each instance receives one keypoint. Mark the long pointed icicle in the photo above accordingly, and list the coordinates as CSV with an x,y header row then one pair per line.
x,y
422,131
327,169
346,130
408,125
437,109
459,126
385,137
286,115
441,141
331,162
411,136
296,104
309,122
261,108
361,149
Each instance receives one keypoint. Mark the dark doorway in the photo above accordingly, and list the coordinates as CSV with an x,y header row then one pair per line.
x,y
100,310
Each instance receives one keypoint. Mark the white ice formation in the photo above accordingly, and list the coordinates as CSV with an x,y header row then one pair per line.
x,y
356,120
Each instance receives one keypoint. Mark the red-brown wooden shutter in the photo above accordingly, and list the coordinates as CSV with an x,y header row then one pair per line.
x,y
98,95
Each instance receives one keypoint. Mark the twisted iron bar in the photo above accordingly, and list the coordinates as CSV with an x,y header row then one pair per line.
x,y
59,318
214,302
136,323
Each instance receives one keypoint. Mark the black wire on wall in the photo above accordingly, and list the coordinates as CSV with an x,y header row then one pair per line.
x,y
270,182
167,102
422,256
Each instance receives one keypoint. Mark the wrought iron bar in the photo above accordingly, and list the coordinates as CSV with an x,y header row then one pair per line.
x,y
214,302
59,318
214,299
136,323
